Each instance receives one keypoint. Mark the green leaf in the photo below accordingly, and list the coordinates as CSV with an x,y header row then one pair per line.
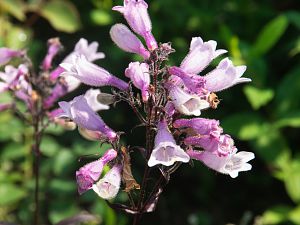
x,y
14,151
15,127
289,120
258,97
63,187
294,18
49,146
275,215
63,162
61,209
269,35
287,92
14,7
292,180
294,215
101,17
62,15
10,194
245,126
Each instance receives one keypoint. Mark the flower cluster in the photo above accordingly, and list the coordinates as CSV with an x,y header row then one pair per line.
x,y
169,94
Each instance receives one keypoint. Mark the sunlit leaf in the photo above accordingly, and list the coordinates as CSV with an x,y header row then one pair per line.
x,y
258,97
49,146
101,17
275,215
289,120
62,15
10,194
292,180
14,7
294,215
245,126
269,35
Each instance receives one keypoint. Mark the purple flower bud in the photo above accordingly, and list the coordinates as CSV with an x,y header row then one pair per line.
x,y
81,48
225,76
231,164
91,74
54,47
82,114
185,103
88,174
109,186
200,55
139,75
136,15
222,145
127,41
200,126
165,151
6,54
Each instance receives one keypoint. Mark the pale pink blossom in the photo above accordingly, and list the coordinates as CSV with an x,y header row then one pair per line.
x,y
6,54
136,14
225,76
166,151
87,175
139,75
82,114
91,74
54,46
109,186
231,164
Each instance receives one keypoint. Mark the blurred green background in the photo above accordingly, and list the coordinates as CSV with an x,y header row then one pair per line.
x,y
263,116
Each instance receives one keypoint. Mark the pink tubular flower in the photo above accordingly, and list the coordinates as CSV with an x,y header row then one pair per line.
x,y
222,145
127,41
13,78
200,126
53,49
225,76
200,55
109,186
185,103
58,91
5,106
81,48
139,75
231,164
165,151
136,15
82,114
54,116
91,74
90,173
6,54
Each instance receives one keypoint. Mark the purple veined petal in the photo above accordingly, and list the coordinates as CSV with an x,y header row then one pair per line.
x,y
109,186
222,145
165,151
200,126
225,76
200,55
54,46
185,103
91,74
231,164
91,97
194,83
82,114
139,75
170,109
6,54
89,173
127,41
